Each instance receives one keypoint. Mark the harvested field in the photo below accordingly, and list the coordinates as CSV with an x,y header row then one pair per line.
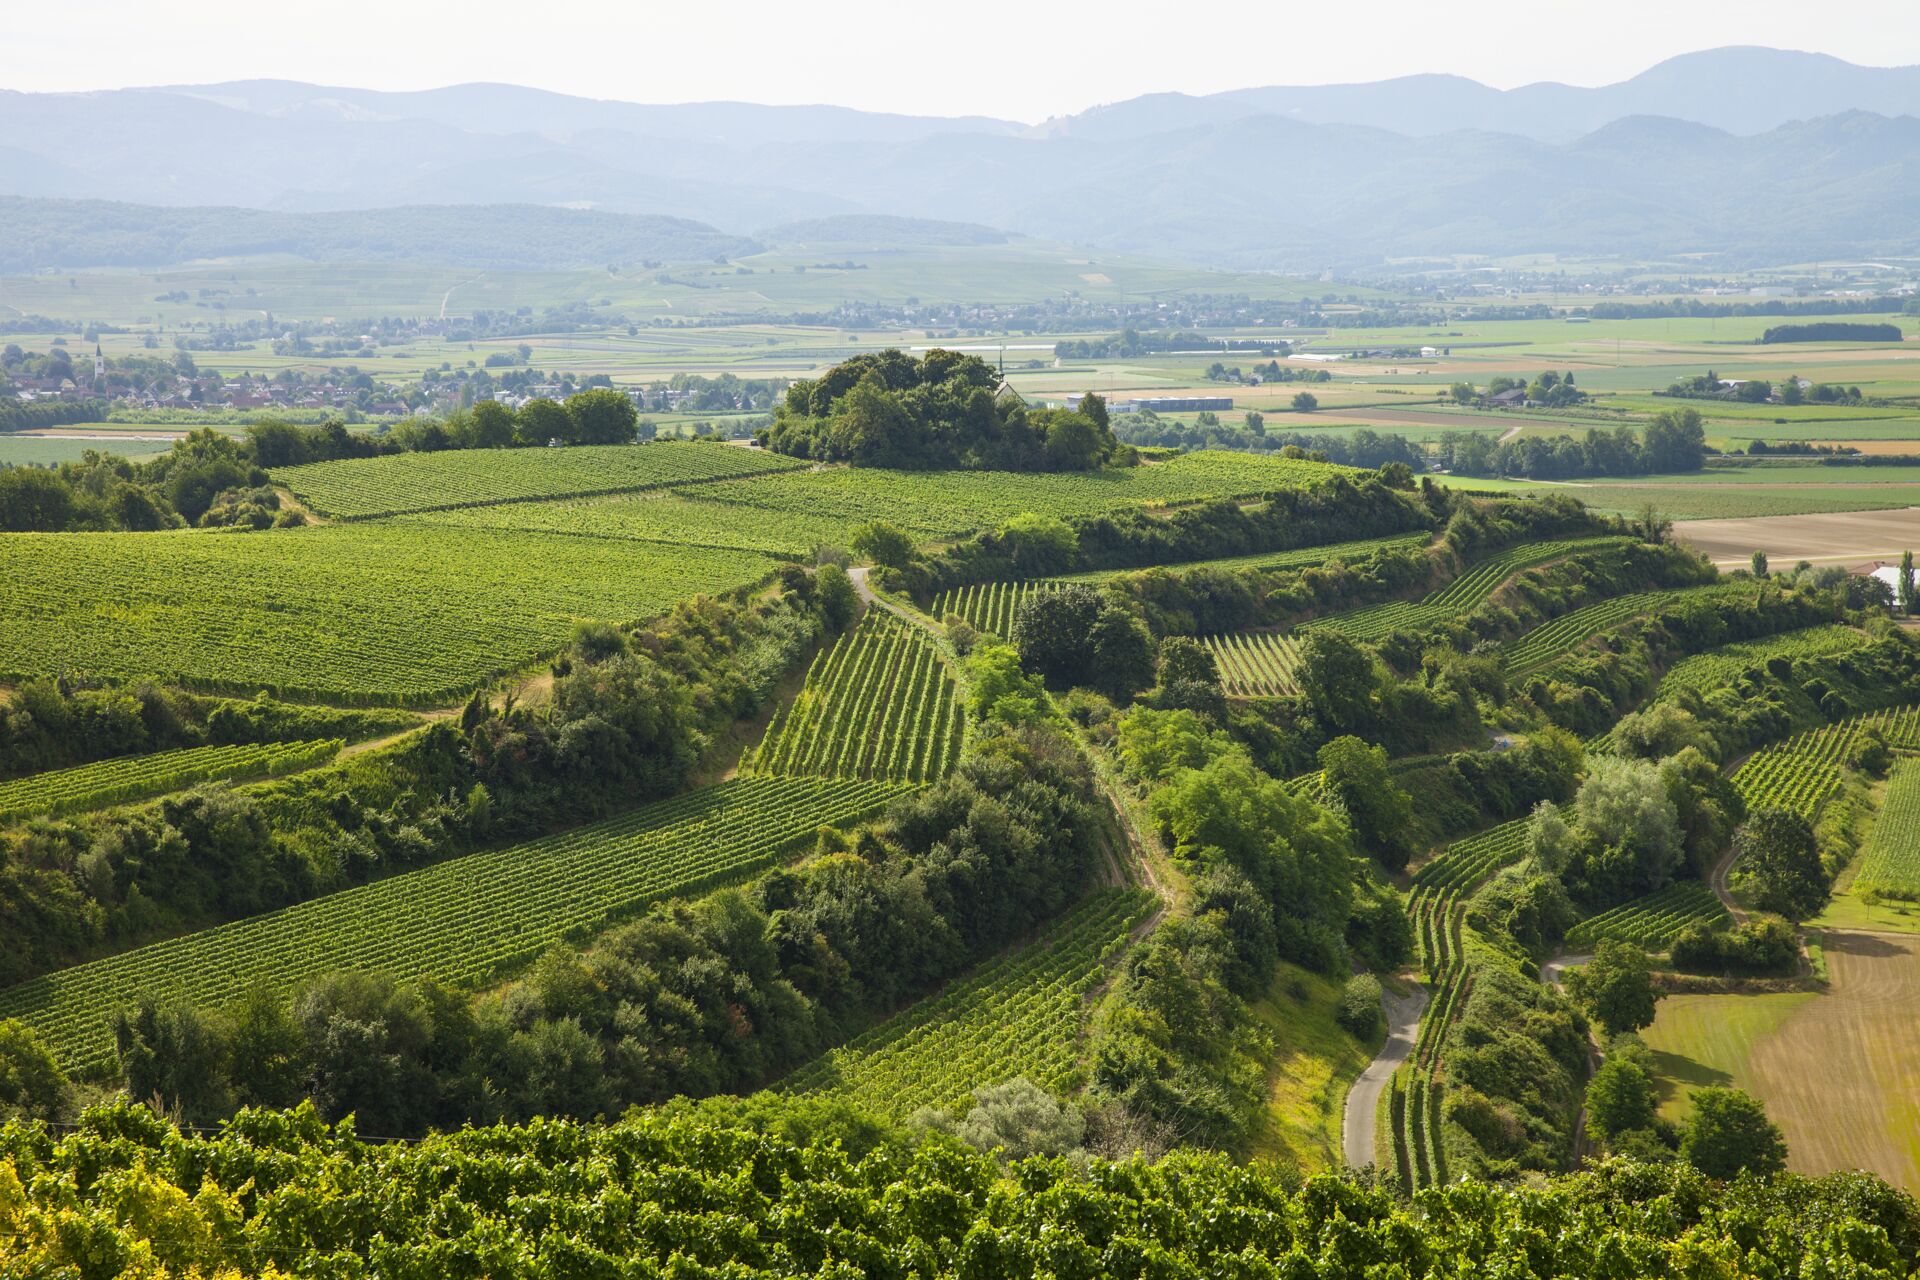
x,y
1828,537
1836,1069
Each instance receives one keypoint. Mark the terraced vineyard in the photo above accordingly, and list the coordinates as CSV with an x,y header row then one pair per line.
x,y
1804,771
360,488
368,613
1441,886
1019,1015
1719,668
1461,596
1298,558
1415,1102
948,503
1890,863
462,921
1256,664
1562,635
990,606
676,519
881,703
1436,903
1652,922
129,778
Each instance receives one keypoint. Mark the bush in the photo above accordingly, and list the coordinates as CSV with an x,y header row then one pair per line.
x,y
1362,1010
1763,945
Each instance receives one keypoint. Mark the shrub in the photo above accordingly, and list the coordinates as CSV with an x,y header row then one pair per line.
x,y
1361,1008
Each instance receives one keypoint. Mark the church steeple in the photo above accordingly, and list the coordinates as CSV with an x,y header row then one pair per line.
x,y
99,366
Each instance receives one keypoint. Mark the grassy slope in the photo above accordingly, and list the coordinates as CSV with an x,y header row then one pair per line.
x,y
1315,1061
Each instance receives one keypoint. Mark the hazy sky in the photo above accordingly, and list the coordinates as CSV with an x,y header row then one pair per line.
x,y
1022,59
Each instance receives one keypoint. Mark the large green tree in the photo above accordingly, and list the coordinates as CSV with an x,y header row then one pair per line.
x,y
1728,1133
1779,865
1615,987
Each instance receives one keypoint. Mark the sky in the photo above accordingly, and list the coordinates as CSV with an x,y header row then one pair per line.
x,y
1016,59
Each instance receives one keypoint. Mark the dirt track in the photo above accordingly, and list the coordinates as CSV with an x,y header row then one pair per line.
x,y
1830,537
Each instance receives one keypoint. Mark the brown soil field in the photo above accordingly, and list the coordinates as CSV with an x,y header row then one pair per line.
x,y
1838,1076
1830,537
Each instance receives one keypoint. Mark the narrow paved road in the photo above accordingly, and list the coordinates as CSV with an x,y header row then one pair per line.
x,y
1363,1100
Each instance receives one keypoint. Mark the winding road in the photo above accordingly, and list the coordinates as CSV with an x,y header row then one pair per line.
x,y
1363,1100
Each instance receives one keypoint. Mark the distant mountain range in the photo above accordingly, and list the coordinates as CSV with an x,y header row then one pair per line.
x,y
1750,153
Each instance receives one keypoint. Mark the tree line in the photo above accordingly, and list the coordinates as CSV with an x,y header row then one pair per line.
x,y
942,411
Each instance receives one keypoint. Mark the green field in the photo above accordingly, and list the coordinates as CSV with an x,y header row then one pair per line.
x,y
681,519
1802,772
463,921
44,451
1653,921
356,488
1719,668
950,503
1890,863
1460,597
880,704
1016,1016
359,613
127,778
1560,636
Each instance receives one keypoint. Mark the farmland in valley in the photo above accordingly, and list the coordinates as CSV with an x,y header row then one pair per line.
x,y
1890,862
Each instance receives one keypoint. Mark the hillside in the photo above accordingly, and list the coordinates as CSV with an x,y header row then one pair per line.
x,y
36,234
1668,162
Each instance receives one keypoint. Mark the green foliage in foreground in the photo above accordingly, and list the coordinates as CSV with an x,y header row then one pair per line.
x,y
696,1195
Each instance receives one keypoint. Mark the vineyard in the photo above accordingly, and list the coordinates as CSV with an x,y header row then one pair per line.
x,y
1652,922
949,503
880,704
1297,558
1719,668
1019,1015
128,778
1460,597
367,613
1890,863
1562,635
463,921
1441,887
1804,771
1256,664
677,519
989,606
1436,903
360,488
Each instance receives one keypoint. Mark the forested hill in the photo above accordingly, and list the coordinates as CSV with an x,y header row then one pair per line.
x,y
70,233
